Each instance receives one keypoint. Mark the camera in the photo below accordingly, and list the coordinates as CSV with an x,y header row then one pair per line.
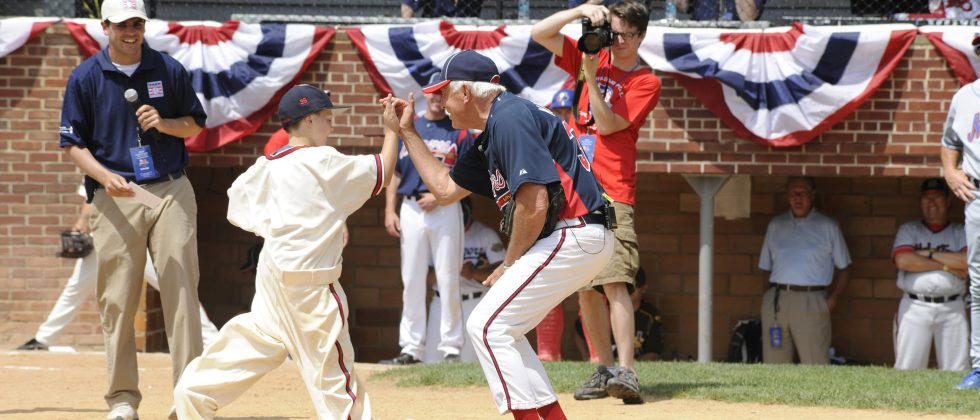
x,y
594,38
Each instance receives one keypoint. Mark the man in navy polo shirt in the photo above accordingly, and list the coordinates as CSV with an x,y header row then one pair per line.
x,y
115,146
531,164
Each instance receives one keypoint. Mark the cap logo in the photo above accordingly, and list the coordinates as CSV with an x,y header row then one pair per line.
x,y
129,4
303,101
495,79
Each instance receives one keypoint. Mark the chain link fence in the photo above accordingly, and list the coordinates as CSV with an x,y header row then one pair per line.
x,y
678,12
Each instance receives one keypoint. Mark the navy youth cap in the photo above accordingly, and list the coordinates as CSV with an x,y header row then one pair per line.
x,y
465,66
562,99
303,100
937,184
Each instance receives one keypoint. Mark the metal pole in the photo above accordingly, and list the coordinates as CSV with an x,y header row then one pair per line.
x,y
706,186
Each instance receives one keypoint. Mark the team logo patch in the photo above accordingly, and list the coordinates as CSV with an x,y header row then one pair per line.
x,y
154,89
129,4
303,101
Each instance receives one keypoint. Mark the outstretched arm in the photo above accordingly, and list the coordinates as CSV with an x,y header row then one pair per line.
x,y
389,155
547,31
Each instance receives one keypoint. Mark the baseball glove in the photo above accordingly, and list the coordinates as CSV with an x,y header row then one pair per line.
x,y
75,244
556,203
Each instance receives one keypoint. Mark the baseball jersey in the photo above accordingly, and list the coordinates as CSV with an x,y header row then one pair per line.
x,y
963,127
803,252
917,235
446,144
482,247
298,200
630,94
522,143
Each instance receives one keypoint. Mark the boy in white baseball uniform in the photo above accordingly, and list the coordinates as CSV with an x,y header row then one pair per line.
x,y
297,199
931,258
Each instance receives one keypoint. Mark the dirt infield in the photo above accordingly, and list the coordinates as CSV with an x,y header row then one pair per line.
x,y
43,385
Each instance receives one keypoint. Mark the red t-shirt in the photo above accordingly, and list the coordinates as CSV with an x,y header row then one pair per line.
x,y
279,139
631,95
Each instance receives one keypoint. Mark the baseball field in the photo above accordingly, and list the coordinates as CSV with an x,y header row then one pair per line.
x,y
43,385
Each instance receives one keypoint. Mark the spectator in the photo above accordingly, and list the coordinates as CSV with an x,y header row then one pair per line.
x,y
440,8
648,342
483,251
801,249
743,10
116,148
961,168
619,92
428,232
561,104
931,258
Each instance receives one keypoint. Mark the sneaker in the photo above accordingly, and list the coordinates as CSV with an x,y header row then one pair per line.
x,y
971,381
594,387
402,359
451,358
32,344
624,385
122,411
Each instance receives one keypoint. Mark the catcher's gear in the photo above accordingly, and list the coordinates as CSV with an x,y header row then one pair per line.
x,y
556,203
75,244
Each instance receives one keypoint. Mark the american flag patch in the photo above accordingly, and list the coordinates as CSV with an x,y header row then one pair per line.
x,y
154,89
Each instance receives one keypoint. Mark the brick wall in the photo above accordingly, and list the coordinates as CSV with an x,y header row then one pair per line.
x,y
869,166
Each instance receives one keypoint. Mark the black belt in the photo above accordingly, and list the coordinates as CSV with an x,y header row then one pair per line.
x,y
930,299
414,196
168,177
795,288
594,219
464,296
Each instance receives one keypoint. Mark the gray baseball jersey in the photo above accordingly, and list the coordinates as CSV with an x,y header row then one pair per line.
x,y
963,127
917,235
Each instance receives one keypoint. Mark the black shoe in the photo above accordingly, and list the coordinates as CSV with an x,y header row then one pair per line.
x,y
595,387
402,359
452,358
633,401
33,344
624,385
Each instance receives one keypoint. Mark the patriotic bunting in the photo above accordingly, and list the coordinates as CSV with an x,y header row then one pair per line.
x,y
15,32
955,44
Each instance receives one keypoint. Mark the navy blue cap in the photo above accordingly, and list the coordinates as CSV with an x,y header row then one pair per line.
x,y
303,100
465,66
937,184
562,99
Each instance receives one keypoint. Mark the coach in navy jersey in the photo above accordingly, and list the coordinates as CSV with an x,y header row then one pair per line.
x,y
531,164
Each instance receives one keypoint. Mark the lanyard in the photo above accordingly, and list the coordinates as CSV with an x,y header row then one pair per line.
x,y
605,89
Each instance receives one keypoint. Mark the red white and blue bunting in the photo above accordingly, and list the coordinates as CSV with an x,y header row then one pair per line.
x,y
955,44
15,32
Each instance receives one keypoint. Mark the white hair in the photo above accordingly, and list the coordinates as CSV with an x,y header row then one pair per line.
x,y
483,90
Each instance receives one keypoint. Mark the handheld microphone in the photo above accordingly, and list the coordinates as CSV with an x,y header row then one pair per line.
x,y
133,99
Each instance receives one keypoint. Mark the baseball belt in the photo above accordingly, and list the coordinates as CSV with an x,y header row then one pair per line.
x,y
464,296
932,299
795,288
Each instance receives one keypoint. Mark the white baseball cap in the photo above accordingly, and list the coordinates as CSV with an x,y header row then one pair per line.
x,y
117,11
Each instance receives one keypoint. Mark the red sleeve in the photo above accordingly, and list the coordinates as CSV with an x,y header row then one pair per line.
x,y
902,249
641,97
571,57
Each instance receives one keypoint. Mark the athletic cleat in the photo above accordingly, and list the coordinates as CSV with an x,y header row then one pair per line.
x,y
624,385
402,359
633,401
595,387
33,344
451,358
971,381
122,411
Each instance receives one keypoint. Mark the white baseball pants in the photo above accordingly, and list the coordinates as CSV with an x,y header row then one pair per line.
x,y
435,236
554,268
303,314
972,222
81,286
919,323
432,353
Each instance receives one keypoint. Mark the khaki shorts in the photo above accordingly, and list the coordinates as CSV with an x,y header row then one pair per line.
x,y
626,257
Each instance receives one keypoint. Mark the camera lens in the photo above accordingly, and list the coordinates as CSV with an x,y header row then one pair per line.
x,y
590,43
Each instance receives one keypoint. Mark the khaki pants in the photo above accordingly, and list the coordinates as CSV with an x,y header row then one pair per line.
x,y
805,321
123,230
298,313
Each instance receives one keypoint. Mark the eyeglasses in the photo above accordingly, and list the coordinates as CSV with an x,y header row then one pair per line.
x,y
626,36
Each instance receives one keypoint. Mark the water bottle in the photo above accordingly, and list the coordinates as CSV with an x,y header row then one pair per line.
x,y
670,10
523,9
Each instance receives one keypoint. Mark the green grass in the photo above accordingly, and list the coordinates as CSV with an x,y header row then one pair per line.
x,y
928,391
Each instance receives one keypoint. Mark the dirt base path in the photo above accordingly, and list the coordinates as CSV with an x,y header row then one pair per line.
x,y
43,385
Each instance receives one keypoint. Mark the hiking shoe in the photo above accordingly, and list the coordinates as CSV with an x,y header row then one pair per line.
x,y
451,358
624,385
122,411
32,344
594,387
402,359
971,381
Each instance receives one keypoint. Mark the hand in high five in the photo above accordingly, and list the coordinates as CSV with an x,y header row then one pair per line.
x,y
399,114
